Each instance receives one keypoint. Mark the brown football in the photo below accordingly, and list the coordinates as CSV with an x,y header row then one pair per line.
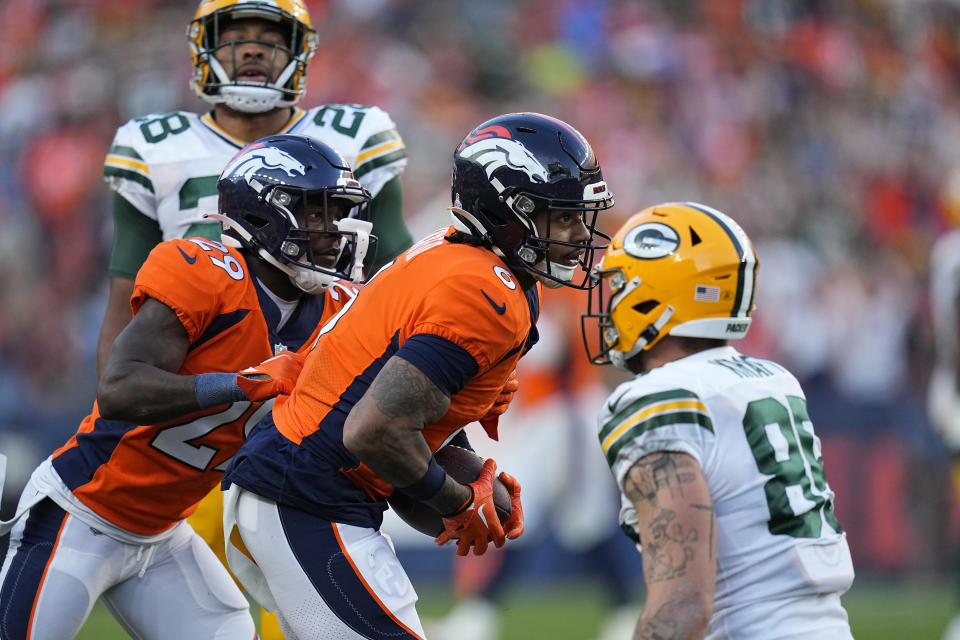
x,y
463,466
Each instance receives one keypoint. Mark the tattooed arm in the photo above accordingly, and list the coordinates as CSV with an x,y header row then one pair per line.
x,y
383,429
677,528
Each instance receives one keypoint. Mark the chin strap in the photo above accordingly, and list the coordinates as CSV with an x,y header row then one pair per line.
x,y
249,98
361,230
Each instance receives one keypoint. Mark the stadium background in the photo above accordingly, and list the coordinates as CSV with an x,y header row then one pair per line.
x,y
830,129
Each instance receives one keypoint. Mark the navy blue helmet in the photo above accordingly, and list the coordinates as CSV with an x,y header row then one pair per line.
x,y
293,200
515,166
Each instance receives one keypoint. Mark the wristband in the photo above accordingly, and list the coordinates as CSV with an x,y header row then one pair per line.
x,y
214,389
429,485
464,506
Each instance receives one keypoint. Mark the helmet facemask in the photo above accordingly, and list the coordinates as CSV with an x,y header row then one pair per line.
x,y
533,254
614,295
326,240
214,84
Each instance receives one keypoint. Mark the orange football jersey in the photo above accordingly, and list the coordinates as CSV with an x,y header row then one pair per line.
x,y
147,478
463,295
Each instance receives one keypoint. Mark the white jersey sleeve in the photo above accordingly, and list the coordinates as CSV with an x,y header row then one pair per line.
x,y
126,170
640,419
746,423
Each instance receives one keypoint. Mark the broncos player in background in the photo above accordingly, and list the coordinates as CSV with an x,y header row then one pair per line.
x,y
103,517
250,62
423,350
714,451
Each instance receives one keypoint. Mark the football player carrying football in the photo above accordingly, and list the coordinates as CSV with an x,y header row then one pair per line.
x,y
714,451
103,517
250,61
424,349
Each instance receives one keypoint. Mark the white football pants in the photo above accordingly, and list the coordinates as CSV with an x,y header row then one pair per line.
x,y
324,579
57,566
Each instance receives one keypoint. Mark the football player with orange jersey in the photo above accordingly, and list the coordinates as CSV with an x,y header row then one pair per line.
x,y
103,517
250,61
424,349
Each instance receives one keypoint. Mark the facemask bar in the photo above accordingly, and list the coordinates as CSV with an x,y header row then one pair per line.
x,y
298,246
535,250
598,322
288,87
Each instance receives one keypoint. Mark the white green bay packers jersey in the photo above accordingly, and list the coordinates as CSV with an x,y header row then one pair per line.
x,y
782,558
167,165
942,397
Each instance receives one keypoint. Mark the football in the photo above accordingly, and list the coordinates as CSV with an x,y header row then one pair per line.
x,y
463,466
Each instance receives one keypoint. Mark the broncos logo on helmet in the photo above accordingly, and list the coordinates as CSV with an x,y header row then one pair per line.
x,y
254,158
494,153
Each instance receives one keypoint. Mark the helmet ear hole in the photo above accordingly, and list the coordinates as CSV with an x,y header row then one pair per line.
x,y
694,238
646,306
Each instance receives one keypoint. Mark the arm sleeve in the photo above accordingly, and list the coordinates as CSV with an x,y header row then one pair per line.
x,y
134,235
448,365
386,213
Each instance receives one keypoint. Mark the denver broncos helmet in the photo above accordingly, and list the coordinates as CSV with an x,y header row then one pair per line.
x,y
516,166
212,83
279,193
680,268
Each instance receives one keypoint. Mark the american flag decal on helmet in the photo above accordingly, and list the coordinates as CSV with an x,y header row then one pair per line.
x,y
707,294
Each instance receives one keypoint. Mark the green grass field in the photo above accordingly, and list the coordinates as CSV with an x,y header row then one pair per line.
x,y
878,611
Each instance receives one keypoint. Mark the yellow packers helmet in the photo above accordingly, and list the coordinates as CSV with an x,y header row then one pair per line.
x,y
212,83
679,268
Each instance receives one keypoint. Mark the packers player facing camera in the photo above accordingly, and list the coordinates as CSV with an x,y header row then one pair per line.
x,y
719,442
250,59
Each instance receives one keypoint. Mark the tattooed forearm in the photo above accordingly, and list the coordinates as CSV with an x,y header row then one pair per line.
x,y
676,525
682,617
656,473
658,485
384,428
406,392
667,547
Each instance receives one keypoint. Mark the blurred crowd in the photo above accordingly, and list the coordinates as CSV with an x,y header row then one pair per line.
x,y
828,128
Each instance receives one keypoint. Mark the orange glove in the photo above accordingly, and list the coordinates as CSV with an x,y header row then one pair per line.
x,y
513,527
490,421
476,523
272,377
